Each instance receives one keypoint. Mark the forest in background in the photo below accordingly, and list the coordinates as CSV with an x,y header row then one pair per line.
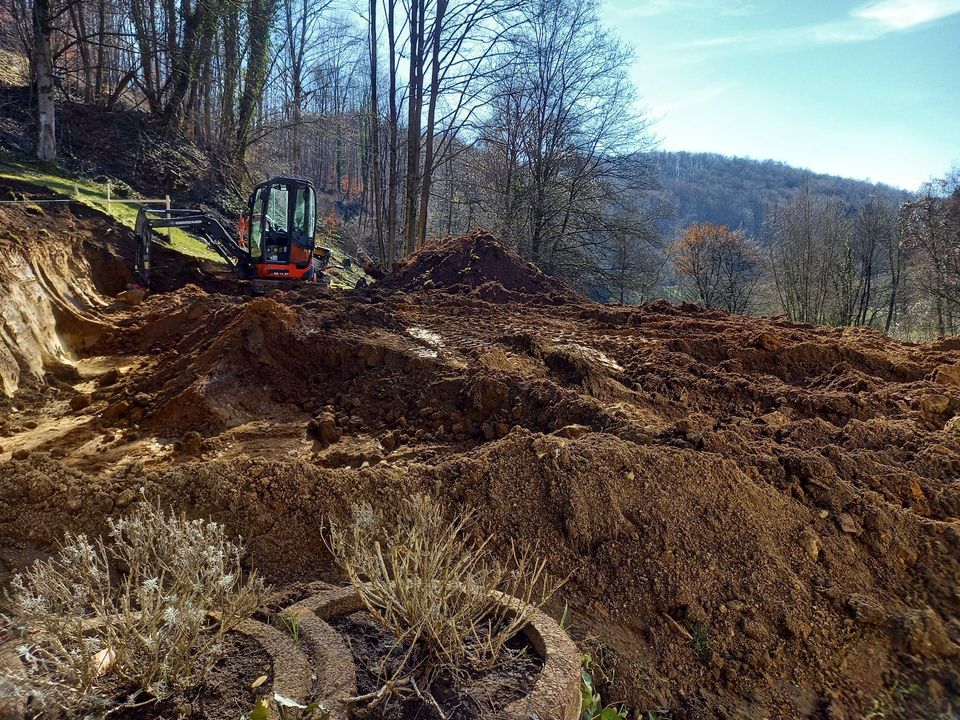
x,y
739,192
431,117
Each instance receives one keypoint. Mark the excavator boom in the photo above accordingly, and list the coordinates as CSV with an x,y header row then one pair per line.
x,y
197,223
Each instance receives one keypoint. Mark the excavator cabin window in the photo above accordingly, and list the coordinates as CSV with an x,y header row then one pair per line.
x,y
301,249
275,232
256,225
282,220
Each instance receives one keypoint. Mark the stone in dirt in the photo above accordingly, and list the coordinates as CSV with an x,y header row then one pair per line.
x,y
80,401
133,296
924,634
933,404
324,428
948,374
848,524
191,443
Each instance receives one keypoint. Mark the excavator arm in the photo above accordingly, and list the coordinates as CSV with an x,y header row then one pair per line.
x,y
202,226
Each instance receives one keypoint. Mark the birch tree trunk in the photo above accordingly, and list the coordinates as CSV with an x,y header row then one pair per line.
x,y
43,69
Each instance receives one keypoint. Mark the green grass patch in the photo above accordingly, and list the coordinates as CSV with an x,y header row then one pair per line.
x,y
14,68
702,642
95,195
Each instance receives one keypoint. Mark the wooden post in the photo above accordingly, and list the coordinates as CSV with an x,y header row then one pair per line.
x,y
169,230
108,196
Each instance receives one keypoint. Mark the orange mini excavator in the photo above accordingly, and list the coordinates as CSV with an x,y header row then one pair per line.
x,y
276,242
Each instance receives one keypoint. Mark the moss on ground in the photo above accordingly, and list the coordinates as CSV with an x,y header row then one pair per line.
x,y
95,195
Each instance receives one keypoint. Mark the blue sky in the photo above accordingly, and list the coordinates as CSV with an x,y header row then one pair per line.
x,y
867,89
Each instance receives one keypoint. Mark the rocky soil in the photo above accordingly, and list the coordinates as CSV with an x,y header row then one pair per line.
x,y
759,518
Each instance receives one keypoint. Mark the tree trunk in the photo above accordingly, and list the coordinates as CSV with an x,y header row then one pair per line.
x,y
393,170
79,22
431,121
151,80
98,89
260,21
198,29
414,112
374,150
43,69
231,73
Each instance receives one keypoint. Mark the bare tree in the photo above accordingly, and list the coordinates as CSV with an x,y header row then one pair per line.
x,y
417,23
376,179
565,145
873,236
718,267
43,79
300,37
930,224
635,259
807,234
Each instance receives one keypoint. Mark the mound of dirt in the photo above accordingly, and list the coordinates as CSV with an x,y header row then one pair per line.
x,y
759,518
477,261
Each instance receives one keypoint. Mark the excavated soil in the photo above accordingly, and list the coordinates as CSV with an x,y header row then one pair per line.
x,y
476,264
759,518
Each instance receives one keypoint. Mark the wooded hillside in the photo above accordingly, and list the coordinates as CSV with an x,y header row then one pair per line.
x,y
740,192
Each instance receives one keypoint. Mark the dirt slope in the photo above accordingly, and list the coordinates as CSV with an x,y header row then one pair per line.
x,y
760,519
126,145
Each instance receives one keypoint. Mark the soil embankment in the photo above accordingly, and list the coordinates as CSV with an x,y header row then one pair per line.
x,y
760,518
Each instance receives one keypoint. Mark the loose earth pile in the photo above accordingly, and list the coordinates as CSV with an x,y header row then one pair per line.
x,y
759,518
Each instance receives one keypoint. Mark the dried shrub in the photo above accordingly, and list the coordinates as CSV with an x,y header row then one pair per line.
x,y
139,614
438,592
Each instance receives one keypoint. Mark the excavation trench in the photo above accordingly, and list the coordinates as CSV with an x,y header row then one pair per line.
x,y
64,266
54,285
759,519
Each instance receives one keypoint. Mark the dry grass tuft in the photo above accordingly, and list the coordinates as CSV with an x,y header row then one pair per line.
x,y
140,613
421,577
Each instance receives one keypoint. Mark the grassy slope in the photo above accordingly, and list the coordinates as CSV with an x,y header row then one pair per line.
x,y
95,195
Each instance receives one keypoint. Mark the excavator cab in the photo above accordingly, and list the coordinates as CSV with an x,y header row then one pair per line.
x,y
280,232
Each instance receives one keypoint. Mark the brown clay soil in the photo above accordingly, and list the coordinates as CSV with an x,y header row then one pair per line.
x,y
759,518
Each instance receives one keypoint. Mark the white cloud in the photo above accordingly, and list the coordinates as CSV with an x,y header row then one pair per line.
x,y
905,14
866,22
